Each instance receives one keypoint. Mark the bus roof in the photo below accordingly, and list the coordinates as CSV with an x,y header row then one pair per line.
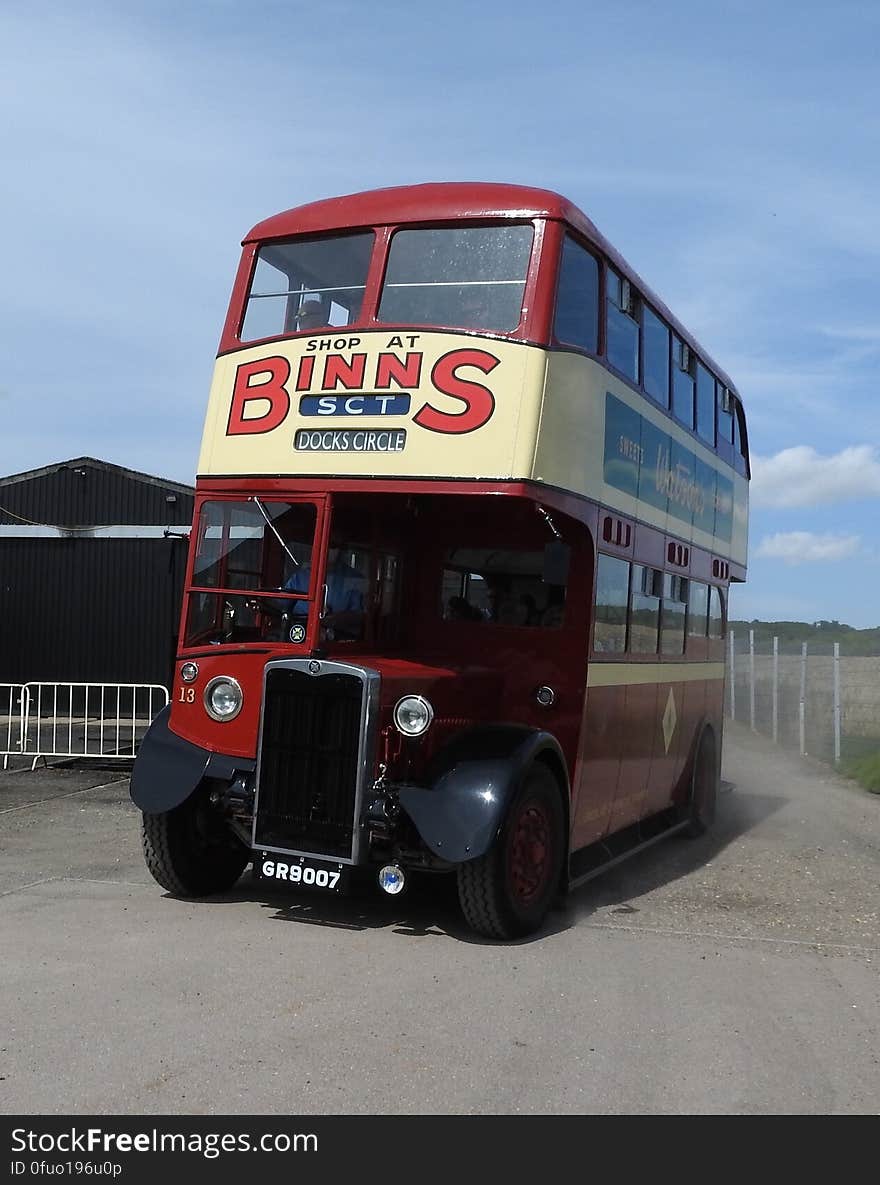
x,y
435,202
447,201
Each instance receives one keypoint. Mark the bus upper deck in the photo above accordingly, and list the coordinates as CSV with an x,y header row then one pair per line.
x,y
473,332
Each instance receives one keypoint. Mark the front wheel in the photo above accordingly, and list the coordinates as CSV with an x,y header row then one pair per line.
x,y
507,892
190,851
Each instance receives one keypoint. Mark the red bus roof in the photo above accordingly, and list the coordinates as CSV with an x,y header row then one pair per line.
x,y
437,202
447,201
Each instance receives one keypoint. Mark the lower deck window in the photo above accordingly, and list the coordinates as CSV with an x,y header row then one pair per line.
x,y
675,597
716,613
500,587
644,629
612,594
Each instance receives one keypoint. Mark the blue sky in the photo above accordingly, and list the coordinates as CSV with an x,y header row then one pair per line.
x,y
730,151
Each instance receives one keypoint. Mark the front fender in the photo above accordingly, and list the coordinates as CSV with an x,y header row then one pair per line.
x,y
167,768
471,784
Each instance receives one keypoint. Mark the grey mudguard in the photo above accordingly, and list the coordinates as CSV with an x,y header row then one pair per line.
x,y
168,768
472,783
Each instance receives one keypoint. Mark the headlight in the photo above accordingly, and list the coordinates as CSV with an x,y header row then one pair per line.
x,y
412,715
188,672
223,698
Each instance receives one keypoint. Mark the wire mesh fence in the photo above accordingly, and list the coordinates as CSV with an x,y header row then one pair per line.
x,y
805,696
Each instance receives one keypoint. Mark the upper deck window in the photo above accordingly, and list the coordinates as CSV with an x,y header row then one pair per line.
x,y
307,285
656,352
725,414
577,300
469,277
622,327
683,383
705,404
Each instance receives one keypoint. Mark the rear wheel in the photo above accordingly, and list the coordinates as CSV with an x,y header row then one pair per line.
x,y
507,892
190,850
704,787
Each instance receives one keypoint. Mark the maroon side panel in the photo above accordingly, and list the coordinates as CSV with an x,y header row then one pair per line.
x,y
640,713
598,770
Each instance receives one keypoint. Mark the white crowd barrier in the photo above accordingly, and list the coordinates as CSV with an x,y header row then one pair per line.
x,y
13,711
77,719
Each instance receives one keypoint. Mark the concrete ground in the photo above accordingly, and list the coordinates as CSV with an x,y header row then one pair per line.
x,y
733,974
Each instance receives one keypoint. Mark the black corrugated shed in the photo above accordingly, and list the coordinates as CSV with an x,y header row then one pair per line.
x,y
90,585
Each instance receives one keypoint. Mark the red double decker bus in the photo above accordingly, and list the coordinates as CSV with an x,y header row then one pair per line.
x,y
468,505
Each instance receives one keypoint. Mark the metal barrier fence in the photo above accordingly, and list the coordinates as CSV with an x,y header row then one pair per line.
x,y
13,709
77,719
807,697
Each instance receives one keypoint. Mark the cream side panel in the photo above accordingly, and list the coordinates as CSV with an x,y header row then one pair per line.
x,y
571,450
632,674
739,543
571,446
502,445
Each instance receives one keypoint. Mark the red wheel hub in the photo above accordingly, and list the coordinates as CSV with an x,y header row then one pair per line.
x,y
529,852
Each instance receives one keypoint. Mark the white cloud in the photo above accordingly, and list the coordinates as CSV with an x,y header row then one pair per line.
x,y
868,335
801,476
804,547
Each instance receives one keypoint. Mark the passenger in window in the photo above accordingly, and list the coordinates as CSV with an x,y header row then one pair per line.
x,y
503,606
473,308
462,610
529,609
313,314
515,611
501,603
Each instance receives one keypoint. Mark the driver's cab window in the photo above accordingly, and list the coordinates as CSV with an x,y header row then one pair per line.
x,y
243,548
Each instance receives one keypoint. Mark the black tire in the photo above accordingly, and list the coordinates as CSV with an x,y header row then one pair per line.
x,y
190,850
703,796
507,892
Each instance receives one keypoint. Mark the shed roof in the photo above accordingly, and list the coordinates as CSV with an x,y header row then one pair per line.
x,y
85,492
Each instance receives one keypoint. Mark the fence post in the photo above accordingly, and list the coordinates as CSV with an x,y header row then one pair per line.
x,y
732,683
837,703
776,691
752,680
802,706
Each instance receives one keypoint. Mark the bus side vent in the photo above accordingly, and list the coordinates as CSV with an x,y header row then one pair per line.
x,y
616,531
720,569
678,555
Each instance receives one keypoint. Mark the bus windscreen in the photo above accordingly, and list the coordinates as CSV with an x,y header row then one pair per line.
x,y
307,285
469,277
245,548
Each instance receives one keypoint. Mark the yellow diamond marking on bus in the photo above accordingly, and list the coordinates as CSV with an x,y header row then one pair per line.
x,y
670,719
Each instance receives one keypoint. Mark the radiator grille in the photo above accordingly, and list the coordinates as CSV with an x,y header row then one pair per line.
x,y
309,762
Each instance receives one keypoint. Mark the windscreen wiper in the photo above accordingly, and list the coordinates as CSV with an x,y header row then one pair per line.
x,y
274,530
